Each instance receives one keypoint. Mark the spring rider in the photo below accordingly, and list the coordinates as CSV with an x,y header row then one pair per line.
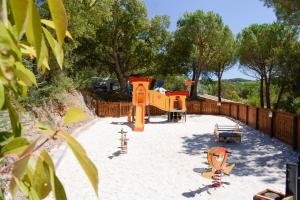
x,y
217,158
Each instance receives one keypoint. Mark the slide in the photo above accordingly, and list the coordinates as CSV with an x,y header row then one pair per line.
x,y
139,117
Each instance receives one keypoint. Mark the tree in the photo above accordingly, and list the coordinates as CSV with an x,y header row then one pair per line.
x,y
197,33
224,56
288,77
126,42
286,10
250,53
32,174
258,47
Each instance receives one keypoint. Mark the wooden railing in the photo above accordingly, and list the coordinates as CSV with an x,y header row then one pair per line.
x,y
282,125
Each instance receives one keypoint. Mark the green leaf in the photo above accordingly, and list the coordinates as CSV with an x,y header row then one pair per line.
x,y
56,185
47,159
1,194
33,195
7,40
56,48
22,186
50,24
74,115
16,146
6,137
21,165
19,11
18,172
46,128
34,29
24,74
86,164
40,181
43,61
59,17
2,96
14,120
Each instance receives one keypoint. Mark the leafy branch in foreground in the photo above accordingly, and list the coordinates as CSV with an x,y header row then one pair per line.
x,y
24,35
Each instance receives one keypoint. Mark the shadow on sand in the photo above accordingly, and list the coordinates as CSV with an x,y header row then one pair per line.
x,y
115,154
192,194
256,155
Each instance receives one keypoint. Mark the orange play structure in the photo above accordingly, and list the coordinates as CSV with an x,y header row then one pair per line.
x,y
142,96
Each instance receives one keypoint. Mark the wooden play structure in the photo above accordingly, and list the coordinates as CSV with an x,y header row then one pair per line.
x,y
292,186
227,133
174,103
217,158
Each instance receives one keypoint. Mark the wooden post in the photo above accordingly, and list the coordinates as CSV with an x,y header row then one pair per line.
x,y
247,113
238,111
98,109
257,119
230,109
273,123
295,132
120,109
201,104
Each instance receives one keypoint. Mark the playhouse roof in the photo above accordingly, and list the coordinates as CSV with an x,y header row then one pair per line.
x,y
140,79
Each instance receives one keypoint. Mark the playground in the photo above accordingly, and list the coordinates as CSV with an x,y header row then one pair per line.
x,y
166,160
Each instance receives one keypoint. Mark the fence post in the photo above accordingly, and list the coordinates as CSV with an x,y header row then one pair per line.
x,y
201,105
99,108
257,119
273,123
295,132
247,113
238,111
230,109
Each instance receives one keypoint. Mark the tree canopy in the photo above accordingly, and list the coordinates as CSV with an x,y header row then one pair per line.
x,y
125,42
198,32
286,10
258,51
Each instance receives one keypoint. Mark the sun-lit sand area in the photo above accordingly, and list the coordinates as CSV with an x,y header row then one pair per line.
x,y
166,160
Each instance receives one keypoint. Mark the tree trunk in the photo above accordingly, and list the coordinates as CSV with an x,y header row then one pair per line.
x,y
194,87
261,92
268,95
279,97
219,88
119,70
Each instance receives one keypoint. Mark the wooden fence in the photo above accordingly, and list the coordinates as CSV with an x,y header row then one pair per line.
x,y
282,125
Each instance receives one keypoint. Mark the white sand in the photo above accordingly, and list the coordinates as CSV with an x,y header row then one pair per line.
x,y
165,161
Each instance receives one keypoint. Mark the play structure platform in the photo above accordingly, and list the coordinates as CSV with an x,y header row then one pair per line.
x,y
174,103
226,133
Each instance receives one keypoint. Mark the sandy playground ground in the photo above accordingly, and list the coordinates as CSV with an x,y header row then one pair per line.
x,y
165,161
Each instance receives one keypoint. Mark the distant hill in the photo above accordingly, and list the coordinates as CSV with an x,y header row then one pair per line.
x,y
237,80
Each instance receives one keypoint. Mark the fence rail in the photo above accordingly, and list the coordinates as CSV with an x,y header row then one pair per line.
x,y
282,125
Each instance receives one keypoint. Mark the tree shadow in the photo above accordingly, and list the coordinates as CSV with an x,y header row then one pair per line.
x,y
256,155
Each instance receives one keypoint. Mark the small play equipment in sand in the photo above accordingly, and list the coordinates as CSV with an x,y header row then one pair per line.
x,y
124,144
227,133
217,158
292,186
171,102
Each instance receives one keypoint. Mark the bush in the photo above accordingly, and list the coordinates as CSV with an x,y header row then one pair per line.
x,y
54,88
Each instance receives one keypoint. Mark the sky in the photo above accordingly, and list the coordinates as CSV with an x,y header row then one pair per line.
x,y
237,14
